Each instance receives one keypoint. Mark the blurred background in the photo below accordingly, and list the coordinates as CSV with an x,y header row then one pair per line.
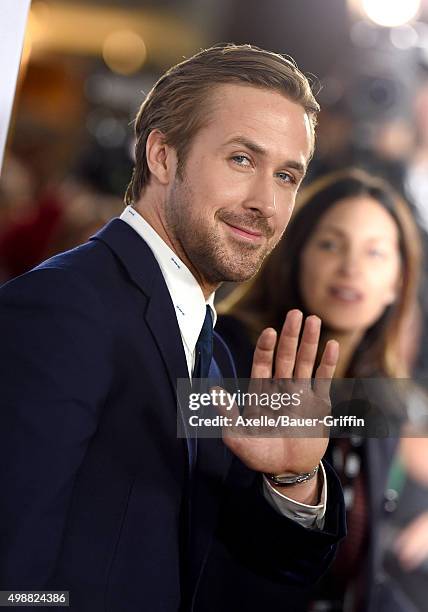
x,y
87,65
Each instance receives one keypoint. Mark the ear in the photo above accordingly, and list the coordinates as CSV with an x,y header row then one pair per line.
x,y
161,158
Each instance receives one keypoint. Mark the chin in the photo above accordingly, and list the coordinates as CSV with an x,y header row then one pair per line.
x,y
238,276
343,326
231,270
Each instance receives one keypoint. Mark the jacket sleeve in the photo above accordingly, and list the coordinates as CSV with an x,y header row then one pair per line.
x,y
272,544
54,364
260,560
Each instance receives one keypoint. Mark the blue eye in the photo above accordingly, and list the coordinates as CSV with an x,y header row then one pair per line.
x,y
240,159
286,177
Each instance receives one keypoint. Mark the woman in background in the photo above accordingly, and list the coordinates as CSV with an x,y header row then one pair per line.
x,y
351,256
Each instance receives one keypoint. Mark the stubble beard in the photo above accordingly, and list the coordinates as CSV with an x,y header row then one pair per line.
x,y
206,247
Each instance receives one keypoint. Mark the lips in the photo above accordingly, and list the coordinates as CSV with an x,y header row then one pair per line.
x,y
349,295
245,232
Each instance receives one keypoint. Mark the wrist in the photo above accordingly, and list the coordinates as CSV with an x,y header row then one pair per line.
x,y
291,479
308,492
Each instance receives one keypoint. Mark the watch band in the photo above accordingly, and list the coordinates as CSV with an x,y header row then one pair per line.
x,y
289,480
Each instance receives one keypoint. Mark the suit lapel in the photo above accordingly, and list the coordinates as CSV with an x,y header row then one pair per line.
x,y
143,269
160,318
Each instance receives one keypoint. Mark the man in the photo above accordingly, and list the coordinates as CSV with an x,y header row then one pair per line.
x,y
102,498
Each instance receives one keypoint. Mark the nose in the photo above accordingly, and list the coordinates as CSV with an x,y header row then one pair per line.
x,y
261,197
349,264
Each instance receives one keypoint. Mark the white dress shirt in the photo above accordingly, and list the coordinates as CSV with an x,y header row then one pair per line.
x,y
190,309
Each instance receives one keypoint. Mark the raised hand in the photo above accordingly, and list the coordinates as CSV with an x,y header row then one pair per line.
x,y
292,366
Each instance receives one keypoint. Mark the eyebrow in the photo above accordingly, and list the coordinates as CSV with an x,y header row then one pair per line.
x,y
340,232
331,228
259,150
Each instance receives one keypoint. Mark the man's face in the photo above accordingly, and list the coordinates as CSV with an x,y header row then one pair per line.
x,y
239,182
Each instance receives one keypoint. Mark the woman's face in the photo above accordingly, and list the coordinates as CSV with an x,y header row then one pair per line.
x,y
350,266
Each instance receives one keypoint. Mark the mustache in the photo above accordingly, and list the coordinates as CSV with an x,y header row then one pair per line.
x,y
247,221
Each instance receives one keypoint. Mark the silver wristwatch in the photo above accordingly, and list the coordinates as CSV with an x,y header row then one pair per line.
x,y
288,480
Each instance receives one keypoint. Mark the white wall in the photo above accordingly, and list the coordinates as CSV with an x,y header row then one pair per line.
x,y
13,18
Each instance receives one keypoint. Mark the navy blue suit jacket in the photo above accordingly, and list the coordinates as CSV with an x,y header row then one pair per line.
x,y
97,493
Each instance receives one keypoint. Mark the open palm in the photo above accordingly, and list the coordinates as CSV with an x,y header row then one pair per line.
x,y
290,363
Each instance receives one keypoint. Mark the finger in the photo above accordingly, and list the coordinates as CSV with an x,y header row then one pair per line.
x,y
326,368
224,402
263,354
226,406
308,348
287,345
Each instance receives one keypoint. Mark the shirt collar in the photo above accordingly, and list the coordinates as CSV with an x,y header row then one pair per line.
x,y
186,293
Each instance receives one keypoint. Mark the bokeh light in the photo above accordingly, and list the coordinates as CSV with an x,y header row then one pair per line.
x,y
391,13
124,52
404,37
